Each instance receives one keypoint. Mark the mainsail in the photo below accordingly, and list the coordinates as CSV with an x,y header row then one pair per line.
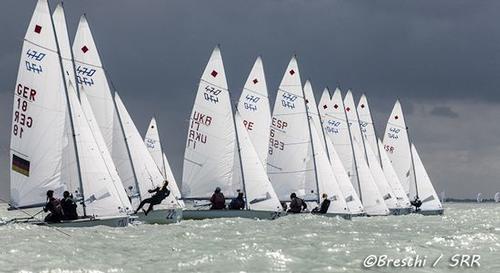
x,y
397,146
426,192
92,81
211,142
367,125
289,138
254,109
392,177
39,115
153,144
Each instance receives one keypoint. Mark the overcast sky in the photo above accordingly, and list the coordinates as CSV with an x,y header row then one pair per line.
x,y
441,58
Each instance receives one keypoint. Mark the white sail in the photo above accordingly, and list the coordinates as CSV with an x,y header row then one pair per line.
x,y
255,110
326,180
336,127
103,192
497,197
479,197
259,192
443,197
102,188
392,178
92,81
39,115
351,197
367,126
371,195
397,146
147,173
153,144
426,192
289,137
323,103
211,143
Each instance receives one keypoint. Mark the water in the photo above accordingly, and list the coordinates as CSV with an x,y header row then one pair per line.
x,y
298,243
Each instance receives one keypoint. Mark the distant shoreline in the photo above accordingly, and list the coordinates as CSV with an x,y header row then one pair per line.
x,y
469,200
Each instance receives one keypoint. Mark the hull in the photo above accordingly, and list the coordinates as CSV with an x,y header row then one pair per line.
x,y
111,221
400,211
431,212
161,216
250,214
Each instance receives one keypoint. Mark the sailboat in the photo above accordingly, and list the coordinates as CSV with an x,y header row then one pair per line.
x,y
443,197
153,143
351,197
395,199
219,153
407,164
479,197
323,175
49,127
373,199
135,166
497,197
289,140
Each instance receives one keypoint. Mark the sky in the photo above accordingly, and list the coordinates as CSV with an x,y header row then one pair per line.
x,y
440,58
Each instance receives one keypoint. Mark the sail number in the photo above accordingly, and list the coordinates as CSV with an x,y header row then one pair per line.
x,y
288,100
393,133
211,94
274,143
194,134
251,102
332,126
21,118
389,148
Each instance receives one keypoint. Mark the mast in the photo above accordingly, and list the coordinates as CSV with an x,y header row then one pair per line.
x,y
70,115
411,156
375,132
312,146
127,144
241,161
352,149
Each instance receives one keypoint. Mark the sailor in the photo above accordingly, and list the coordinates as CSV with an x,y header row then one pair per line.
x,y
325,204
238,202
53,206
296,204
218,200
417,203
68,205
157,198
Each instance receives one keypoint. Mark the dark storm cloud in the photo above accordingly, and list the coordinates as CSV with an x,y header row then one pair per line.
x,y
444,111
155,51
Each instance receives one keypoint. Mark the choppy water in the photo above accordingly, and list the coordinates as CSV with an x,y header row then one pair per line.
x,y
299,243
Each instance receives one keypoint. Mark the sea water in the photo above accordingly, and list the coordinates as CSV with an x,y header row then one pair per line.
x,y
296,243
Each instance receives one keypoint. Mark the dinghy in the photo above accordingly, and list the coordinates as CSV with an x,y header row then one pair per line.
x,y
479,198
351,197
51,133
323,176
397,203
153,143
219,153
497,197
144,175
289,141
146,172
407,164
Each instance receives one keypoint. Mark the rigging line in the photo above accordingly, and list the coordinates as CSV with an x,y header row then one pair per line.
x,y
34,217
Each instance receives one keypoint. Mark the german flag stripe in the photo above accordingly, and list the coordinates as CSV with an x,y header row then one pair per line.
x,y
20,165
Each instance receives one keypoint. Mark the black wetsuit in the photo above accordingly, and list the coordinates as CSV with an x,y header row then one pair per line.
x,y
323,208
218,201
157,198
69,209
54,207
417,204
237,203
297,205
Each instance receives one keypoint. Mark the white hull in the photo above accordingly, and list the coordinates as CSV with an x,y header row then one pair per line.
x,y
110,221
161,216
251,214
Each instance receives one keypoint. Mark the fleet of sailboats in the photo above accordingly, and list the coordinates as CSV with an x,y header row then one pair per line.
x,y
71,131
